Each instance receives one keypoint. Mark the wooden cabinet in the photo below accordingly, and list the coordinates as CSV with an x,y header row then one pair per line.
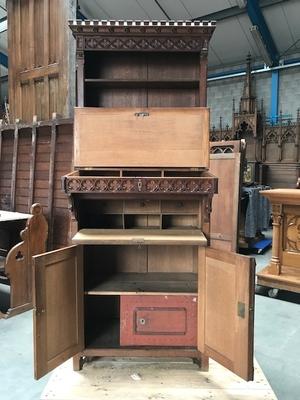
x,y
140,279
283,271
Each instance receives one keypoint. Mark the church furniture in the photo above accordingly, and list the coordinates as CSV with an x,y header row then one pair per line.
x,y
283,271
226,162
17,265
140,195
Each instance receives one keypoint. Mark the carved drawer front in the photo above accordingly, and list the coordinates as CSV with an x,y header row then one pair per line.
x,y
158,320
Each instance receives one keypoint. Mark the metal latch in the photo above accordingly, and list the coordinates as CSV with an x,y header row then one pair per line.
x,y
241,309
141,114
138,241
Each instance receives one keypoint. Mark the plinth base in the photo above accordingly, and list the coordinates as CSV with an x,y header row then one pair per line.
x,y
289,279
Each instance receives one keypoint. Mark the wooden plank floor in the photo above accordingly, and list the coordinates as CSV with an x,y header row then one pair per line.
x,y
162,379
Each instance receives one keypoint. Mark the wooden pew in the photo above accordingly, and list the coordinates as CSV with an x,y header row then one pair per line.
x,y
18,264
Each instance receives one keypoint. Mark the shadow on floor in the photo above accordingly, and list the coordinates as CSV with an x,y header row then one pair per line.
x,y
4,298
283,295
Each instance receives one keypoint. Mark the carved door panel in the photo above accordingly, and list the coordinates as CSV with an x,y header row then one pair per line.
x,y
226,309
58,308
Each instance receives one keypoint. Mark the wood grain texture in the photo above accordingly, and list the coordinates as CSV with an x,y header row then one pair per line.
x,y
41,51
225,280
58,327
225,204
139,137
18,263
140,237
283,271
145,283
167,378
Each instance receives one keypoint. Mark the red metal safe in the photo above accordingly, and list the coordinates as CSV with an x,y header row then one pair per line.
x,y
164,320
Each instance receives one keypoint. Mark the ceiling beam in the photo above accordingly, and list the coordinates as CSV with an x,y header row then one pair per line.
x,y
235,11
257,19
3,60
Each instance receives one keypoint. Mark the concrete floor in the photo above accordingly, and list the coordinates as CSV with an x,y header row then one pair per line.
x,y
277,348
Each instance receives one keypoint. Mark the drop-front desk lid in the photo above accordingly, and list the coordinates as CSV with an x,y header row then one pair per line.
x,y
140,237
141,137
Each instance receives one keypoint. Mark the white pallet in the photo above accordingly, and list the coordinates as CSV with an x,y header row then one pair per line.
x,y
157,379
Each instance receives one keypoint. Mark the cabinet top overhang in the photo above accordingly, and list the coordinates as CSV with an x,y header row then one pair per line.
x,y
194,35
282,196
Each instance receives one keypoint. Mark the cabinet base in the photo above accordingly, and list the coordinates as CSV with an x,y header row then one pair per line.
x,y
197,357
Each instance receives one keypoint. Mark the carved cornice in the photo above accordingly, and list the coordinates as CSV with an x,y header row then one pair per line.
x,y
142,43
195,185
143,35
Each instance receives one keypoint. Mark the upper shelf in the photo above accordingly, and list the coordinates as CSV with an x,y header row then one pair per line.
x,y
140,237
149,83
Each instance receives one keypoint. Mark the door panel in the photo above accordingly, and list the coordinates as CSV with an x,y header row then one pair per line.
x,y
58,308
225,312
225,163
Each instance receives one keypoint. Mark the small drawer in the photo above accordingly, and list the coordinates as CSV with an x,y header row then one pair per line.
x,y
162,320
180,207
141,206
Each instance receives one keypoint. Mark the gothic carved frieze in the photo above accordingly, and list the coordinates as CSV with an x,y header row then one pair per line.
x,y
193,185
142,43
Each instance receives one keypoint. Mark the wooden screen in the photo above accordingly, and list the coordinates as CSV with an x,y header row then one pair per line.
x,y
225,164
41,58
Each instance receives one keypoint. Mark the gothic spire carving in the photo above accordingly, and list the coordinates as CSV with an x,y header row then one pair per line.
x,y
248,100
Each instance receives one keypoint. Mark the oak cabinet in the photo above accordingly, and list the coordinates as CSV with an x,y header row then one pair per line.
x,y
140,278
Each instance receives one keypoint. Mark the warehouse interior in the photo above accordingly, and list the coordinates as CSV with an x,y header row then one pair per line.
x,y
102,226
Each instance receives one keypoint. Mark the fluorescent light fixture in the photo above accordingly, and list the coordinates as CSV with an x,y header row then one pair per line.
x,y
260,45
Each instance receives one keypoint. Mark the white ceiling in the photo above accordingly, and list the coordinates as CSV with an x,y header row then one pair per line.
x,y
231,41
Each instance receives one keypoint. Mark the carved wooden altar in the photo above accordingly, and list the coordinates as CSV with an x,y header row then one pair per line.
x,y
283,272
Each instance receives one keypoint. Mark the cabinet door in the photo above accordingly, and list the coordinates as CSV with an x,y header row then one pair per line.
x,y
225,312
58,308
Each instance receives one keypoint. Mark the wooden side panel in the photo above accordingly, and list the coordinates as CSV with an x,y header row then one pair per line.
x,y
41,51
225,204
225,312
58,302
23,171
18,266
6,159
148,137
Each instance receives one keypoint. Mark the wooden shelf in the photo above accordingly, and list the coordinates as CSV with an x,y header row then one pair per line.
x,y
136,83
140,237
146,283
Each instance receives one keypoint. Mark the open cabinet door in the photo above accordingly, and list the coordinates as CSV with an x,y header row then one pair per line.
x,y
225,312
58,308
